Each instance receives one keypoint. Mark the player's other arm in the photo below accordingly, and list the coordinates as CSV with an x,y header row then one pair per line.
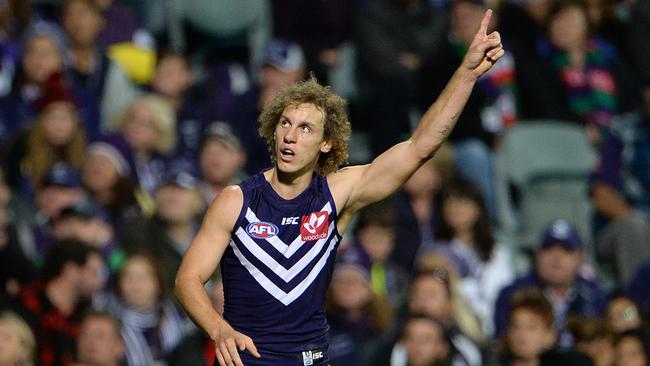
x,y
199,262
389,171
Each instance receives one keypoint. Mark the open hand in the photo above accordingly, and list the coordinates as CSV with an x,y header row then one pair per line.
x,y
228,345
484,50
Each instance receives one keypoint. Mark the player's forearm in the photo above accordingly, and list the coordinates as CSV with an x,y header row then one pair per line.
x,y
192,296
441,117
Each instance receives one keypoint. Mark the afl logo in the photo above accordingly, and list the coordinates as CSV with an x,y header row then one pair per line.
x,y
262,230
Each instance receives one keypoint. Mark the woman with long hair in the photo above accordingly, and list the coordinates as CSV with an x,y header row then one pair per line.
x,y
465,237
58,136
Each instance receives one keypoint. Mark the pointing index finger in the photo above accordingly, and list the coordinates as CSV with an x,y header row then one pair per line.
x,y
485,22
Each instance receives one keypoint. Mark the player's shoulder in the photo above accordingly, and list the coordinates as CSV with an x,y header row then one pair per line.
x,y
342,182
228,202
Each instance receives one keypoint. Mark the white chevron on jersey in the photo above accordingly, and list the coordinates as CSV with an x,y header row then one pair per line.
x,y
282,247
272,264
284,297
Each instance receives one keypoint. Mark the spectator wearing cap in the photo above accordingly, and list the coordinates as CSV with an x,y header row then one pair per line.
x,y
238,100
90,67
58,136
44,47
556,273
284,64
167,234
149,128
322,28
221,160
108,175
61,188
356,315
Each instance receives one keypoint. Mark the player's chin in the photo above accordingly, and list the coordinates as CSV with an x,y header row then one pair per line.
x,y
285,167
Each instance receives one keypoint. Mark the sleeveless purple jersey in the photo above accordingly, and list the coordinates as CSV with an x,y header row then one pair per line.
x,y
277,268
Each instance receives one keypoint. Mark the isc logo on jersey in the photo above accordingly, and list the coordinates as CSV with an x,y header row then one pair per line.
x,y
314,226
262,230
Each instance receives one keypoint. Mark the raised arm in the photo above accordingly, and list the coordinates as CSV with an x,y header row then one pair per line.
x,y
199,262
366,184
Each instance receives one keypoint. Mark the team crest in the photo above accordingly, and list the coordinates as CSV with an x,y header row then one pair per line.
x,y
261,230
314,226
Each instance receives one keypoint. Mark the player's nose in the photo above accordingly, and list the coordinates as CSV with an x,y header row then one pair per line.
x,y
289,136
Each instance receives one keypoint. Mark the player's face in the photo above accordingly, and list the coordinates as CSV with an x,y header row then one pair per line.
x,y
299,139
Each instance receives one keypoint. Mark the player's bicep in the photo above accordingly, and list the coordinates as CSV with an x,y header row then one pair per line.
x,y
207,248
385,175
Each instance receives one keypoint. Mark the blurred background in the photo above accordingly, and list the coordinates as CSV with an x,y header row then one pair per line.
x,y
525,240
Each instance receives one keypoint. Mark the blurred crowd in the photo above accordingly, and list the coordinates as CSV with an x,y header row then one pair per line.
x,y
524,241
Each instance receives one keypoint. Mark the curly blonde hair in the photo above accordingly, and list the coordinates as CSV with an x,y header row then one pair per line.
x,y
337,125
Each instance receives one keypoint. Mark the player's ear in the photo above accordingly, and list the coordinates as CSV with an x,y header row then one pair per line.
x,y
326,147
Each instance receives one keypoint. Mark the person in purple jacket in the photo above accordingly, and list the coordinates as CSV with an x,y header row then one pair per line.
x,y
275,235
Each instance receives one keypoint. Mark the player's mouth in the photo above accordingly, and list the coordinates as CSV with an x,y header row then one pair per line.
x,y
286,155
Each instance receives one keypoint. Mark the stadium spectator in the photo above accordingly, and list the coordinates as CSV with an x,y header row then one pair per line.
x,y
531,335
465,237
417,207
221,159
556,273
152,326
17,343
100,341
58,136
632,348
374,241
149,128
108,176
167,234
71,274
90,66
358,317
172,80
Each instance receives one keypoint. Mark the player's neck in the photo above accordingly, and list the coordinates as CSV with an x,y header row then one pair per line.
x,y
289,185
